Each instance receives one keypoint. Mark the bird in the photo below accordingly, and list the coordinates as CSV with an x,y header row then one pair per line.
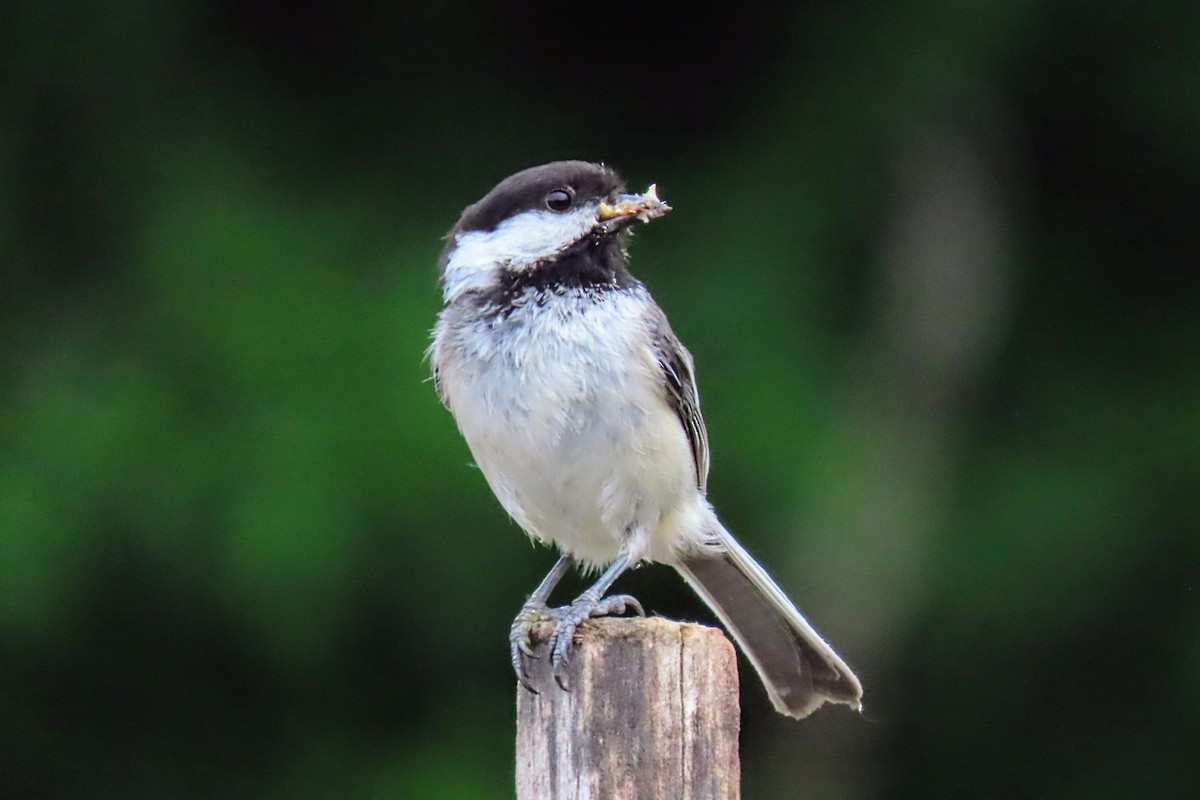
x,y
580,407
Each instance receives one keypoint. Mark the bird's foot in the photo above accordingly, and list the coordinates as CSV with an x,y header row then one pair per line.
x,y
520,640
569,618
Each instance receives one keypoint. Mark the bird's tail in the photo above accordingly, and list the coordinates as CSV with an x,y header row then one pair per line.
x,y
799,669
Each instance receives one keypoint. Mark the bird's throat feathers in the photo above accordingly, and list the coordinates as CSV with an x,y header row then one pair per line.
x,y
594,263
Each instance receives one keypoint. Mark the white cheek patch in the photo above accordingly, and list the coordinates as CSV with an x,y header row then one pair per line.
x,y
515,243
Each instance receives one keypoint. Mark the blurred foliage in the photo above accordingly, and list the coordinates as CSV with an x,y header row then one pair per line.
x,y
938,265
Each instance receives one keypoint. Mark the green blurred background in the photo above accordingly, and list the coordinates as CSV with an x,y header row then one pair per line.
x,y
938,265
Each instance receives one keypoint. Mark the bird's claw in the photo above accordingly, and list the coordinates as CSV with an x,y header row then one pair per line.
x,y
519,638
569,619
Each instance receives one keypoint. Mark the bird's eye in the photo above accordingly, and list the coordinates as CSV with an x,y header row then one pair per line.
x,y
558,200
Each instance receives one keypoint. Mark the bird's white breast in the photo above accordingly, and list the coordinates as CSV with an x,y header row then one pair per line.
x,y
560,403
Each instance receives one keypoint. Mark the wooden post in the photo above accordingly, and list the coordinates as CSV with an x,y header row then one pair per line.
x,y
652,712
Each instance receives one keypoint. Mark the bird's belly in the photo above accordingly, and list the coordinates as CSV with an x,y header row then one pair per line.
x,y
579,454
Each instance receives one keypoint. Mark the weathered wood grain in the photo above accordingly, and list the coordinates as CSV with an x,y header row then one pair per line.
x,y
652,712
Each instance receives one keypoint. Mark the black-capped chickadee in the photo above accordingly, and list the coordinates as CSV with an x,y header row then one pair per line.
x,y
580,408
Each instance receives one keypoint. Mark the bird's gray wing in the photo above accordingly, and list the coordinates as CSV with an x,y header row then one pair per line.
x,y
680,392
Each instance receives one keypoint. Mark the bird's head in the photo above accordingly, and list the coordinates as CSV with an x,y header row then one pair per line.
x,y
534,216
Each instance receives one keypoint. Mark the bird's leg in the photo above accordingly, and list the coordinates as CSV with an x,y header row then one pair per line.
x,y
533,612
591,603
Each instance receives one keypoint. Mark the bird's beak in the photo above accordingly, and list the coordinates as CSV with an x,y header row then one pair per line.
x,y
626,209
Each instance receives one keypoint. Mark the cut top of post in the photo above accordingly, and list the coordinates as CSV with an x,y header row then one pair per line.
x,y
651,712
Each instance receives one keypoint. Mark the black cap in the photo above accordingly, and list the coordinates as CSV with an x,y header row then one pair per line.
x,y
527,190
